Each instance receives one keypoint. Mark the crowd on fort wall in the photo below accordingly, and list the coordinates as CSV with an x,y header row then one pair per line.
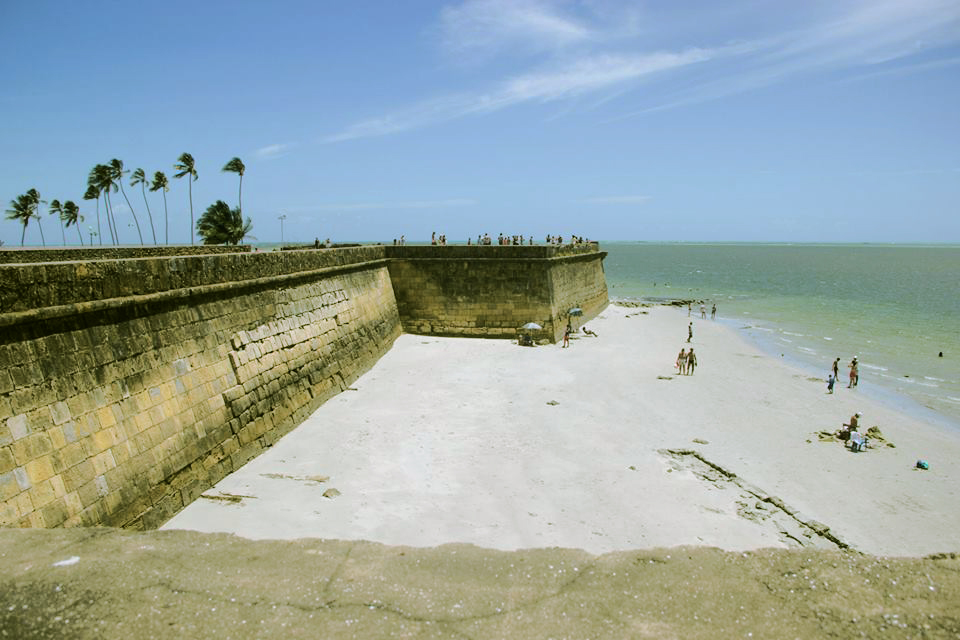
x,y
130,386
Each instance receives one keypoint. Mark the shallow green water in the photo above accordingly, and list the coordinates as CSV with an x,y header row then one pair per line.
x,y
895,307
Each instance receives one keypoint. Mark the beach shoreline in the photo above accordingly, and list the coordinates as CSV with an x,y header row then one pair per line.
x,y
889,396
600,447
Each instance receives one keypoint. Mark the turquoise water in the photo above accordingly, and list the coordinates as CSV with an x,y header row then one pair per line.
x,y
894,307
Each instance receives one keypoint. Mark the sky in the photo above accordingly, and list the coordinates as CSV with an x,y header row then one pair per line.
x,y
661,120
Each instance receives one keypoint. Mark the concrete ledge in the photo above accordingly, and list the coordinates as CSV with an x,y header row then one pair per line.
x,y
111,584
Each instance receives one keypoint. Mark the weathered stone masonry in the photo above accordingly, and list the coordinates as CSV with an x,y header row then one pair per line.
x,y
129,386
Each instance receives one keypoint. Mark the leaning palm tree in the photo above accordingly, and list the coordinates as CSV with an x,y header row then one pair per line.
x,y
236,166
222,225
71,216
93,193
101,177
160,184
57,210
35,201
185,167
117,170
21,210
139,177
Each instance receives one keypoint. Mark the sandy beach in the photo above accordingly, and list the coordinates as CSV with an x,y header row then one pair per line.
x,y
600,447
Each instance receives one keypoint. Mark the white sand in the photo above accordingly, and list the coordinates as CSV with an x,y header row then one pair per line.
x,y
454,440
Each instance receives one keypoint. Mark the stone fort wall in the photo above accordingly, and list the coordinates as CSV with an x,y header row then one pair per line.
x,y
491,291
130,386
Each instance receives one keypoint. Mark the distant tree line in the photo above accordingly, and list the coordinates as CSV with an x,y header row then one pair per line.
x,y
219,224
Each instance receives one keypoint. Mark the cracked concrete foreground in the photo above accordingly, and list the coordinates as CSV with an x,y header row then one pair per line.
x,y
108,583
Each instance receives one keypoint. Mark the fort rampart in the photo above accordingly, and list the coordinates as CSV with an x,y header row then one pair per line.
x,y
128,386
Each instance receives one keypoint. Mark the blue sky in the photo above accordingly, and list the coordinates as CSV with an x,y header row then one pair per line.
x,y
746,120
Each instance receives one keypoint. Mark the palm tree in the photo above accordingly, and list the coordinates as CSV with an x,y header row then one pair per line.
x,y
236,166
56,209
71,216
222,225
102,178
21,209
117,171
140,178
160,184
93,193
35,202
185,167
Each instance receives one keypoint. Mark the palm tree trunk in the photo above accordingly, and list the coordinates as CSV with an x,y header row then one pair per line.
x,y
112,222
190,187
40,226
23,234
98,223
166,220
143,190
63,232
132,212
240,196
79,235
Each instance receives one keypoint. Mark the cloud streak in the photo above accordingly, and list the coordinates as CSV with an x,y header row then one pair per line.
x,y
617,200
583,76
272,151
352,207
585,57
487,27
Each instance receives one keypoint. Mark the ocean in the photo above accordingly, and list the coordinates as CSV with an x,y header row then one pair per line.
x,y
895,307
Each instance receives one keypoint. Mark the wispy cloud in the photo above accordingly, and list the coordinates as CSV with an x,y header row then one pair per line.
x,y
273,151
349,207
486,27
580,77
583,53
617,200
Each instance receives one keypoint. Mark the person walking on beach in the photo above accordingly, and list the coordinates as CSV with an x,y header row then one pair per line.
x,y
688,309
836,369
566,336
691,362
830,381
713,312
854,373
703,311
681,363
690,332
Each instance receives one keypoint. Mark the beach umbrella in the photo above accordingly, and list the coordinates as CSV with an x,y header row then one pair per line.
x,y
576,311
531,326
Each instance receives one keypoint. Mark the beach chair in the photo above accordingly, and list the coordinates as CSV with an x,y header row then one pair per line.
x,y
858,442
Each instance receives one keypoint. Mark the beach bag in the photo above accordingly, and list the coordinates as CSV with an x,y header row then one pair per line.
x,y
923,464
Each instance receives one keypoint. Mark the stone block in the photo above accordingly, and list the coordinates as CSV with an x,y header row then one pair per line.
x,y
9,486
103,462
6,381
7,462
39,470
42,494
18,426
33,446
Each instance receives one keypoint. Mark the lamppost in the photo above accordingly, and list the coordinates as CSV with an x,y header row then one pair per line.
x,y
281,218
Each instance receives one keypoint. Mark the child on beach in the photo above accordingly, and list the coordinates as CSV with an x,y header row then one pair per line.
x,y
830,382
